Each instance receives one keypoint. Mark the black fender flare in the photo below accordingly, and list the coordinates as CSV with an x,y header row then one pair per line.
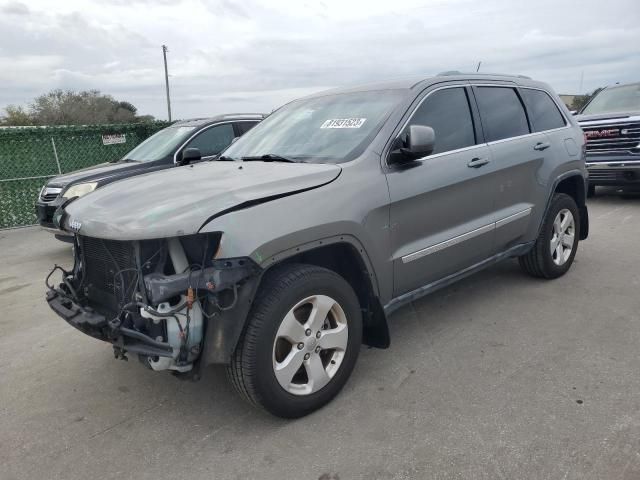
x,y
323,242
582,207
376,329
223,330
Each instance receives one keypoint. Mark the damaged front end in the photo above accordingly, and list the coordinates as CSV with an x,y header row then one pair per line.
x,y
170,301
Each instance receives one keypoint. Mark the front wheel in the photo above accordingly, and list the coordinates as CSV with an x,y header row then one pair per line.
x,y
557,243
301,341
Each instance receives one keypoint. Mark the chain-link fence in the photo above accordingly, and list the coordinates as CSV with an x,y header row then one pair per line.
x,y
31,155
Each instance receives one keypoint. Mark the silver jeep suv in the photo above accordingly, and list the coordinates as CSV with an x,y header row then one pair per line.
x,y
284,255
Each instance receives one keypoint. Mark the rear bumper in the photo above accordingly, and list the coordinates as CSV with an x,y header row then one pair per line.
x,y
614,172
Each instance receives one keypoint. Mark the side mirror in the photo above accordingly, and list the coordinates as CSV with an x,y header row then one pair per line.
x,y
190,155
574,112
420,142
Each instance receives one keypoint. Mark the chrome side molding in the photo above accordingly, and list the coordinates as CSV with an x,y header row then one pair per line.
x,y
465,236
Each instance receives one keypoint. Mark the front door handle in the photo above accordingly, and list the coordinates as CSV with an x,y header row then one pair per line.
x,y
541,146
477,162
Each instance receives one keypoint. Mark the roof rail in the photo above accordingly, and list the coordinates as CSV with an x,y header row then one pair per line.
x,y
457,72
224,117
242,115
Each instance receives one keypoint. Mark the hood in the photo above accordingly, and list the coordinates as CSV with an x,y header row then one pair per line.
x,y
102,173
178,201
620,116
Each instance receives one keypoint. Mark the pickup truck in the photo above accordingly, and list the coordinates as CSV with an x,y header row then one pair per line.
x,y
611,124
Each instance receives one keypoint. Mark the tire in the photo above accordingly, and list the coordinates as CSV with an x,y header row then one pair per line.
x,y
263,349
591,190
543,262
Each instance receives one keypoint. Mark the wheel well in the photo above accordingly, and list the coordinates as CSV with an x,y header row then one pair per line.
x,y
574,186
344,259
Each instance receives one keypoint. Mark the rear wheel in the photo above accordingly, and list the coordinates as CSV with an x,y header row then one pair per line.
x,y
557,243
301,342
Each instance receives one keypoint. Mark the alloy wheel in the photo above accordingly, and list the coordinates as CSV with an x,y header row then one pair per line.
x,y
563,237
310,345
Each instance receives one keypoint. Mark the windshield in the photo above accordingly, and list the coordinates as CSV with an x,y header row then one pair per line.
x,y
616,99
160,144
331,128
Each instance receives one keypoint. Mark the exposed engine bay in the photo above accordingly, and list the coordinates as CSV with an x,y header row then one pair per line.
x,y
153,298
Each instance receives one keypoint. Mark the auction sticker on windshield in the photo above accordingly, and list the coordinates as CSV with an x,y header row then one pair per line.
x,y
343,123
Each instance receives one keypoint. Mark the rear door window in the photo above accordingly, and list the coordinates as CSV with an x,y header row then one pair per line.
x,y
543,112
213,140
447,112
502,113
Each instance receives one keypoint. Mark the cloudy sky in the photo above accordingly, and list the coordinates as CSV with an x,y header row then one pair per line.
x,y
253,55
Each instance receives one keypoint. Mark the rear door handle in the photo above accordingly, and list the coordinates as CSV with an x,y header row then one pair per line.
x,y
477,162
541,146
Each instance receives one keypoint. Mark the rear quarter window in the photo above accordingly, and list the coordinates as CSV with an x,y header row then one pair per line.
x,y
543,111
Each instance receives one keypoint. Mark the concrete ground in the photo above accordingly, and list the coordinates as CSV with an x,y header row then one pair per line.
x,y
500,376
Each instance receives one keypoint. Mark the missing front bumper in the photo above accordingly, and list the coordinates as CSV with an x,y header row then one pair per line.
x,y
97,326
223,296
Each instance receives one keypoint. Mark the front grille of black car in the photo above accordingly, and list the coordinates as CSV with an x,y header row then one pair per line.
x,y
50,197
49,194
110,273
613,138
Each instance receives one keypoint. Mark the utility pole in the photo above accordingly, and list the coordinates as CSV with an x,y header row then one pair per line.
x,y
166,79
478,68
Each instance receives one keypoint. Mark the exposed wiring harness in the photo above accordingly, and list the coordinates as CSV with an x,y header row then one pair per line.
x,y
65,280
130,300
55,267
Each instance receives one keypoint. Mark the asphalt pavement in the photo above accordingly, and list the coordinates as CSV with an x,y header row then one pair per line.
x,y
500,376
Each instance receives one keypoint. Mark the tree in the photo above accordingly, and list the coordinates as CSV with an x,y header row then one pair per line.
x,y
66,107
580,101
16,115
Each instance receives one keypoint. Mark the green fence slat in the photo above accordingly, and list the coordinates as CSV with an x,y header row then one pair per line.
x,y
28,152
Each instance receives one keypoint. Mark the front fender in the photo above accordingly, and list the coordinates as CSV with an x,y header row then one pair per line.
x,y
270,232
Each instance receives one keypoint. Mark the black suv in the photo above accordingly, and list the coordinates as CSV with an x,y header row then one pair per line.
x,y
183,142
611,124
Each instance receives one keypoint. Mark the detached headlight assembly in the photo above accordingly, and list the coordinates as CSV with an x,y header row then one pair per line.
x,y
80,190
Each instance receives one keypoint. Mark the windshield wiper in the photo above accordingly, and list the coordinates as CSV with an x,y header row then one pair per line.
x,y
269,157
223,158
